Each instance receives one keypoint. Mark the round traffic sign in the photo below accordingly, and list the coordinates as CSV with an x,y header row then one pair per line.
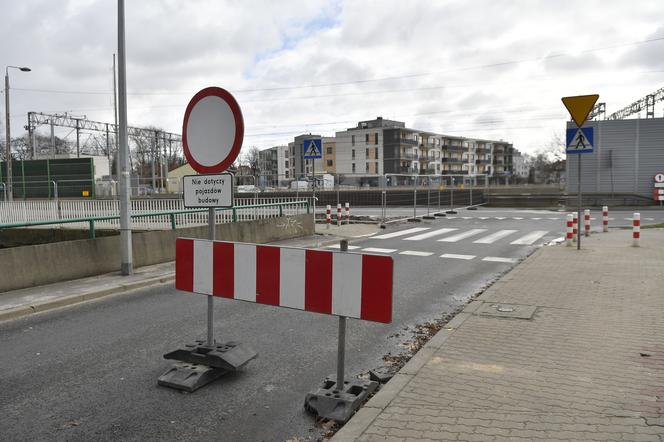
x,y
212,131
659,178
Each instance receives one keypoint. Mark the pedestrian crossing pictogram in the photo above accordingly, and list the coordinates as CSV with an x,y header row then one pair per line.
x,y
312,149
580,140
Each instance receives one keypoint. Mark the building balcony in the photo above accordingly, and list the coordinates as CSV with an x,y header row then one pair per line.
x,y
483,161
407,141
454,148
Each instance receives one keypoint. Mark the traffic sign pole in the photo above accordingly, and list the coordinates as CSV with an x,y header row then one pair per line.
x,y
210,302
578,229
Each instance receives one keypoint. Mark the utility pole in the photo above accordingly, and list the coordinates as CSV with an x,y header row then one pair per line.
x,y
115,110
127,267
8,138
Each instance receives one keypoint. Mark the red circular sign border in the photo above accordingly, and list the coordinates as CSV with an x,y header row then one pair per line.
x,y
654,177
214,91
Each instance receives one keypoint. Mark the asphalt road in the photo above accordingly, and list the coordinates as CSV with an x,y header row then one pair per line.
x,y
89,372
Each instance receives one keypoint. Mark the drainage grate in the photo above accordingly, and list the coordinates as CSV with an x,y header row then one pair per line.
x,y
514,311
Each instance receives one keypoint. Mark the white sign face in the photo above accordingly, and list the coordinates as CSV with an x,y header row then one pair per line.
x,y
208,190
212,130
659,178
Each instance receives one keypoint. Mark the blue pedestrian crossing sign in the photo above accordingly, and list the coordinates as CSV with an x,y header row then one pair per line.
x,y
580,140
313,148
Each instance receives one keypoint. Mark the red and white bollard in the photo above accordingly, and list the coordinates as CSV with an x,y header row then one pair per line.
x,y
605,219
586,221
570,229
575,224
338,214
636,229
328,216
347,213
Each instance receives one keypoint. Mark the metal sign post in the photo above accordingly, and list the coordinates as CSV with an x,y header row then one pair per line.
x,y
313,149
579,140
212,135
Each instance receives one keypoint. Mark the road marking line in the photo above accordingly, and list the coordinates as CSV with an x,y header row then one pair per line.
x,y
483,217
530,238
400,233
490,239
499,259
415,253
536,219
462,235
500,217
554,218
517,217
338,246
378,250
422,236
452,217
649,219
466,217
453,256
612,219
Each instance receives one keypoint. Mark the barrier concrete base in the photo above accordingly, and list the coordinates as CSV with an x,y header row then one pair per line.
x,y
230,356
329,402
189,377
199,364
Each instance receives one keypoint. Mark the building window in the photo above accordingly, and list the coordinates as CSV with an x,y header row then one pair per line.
x,y
286,174
352,140
367,167
329,150
286,163
353,167
376,153
352,154
366,138
330,163
366,152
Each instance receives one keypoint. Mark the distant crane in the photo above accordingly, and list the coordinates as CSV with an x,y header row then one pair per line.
x,y
647,103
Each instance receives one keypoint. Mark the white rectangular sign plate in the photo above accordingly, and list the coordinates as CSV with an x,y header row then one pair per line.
x,y
208,190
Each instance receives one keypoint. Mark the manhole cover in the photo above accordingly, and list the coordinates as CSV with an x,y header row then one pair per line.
x,y
514,311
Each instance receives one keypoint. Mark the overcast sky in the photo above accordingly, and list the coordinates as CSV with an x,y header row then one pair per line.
x,y
488,69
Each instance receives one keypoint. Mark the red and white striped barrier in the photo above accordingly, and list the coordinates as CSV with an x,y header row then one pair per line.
x,y
605,219
586,221
328,216
575,224
336,283
636,229
570,229
338,214
347,213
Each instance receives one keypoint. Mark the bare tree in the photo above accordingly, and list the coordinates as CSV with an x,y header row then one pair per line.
x,y
251,158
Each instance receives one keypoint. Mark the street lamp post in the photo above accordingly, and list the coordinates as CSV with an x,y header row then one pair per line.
x,y
8,156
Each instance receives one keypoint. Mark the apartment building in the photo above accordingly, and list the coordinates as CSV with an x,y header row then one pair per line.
x,y
300,167
381,146
274,166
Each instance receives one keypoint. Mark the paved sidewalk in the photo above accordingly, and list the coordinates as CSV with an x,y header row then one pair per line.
x,y
18,303
586,364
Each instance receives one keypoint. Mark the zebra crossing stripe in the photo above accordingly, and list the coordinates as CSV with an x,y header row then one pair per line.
x,y
517,217
462,235
530,238
494,237
500,217
454,256
336,246
499,259
378,250
426,235
415,253
400,233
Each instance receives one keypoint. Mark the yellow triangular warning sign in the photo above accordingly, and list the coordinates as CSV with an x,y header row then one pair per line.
x,y
580,106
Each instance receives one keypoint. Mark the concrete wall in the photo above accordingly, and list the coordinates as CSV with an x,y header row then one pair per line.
x,y
29,266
